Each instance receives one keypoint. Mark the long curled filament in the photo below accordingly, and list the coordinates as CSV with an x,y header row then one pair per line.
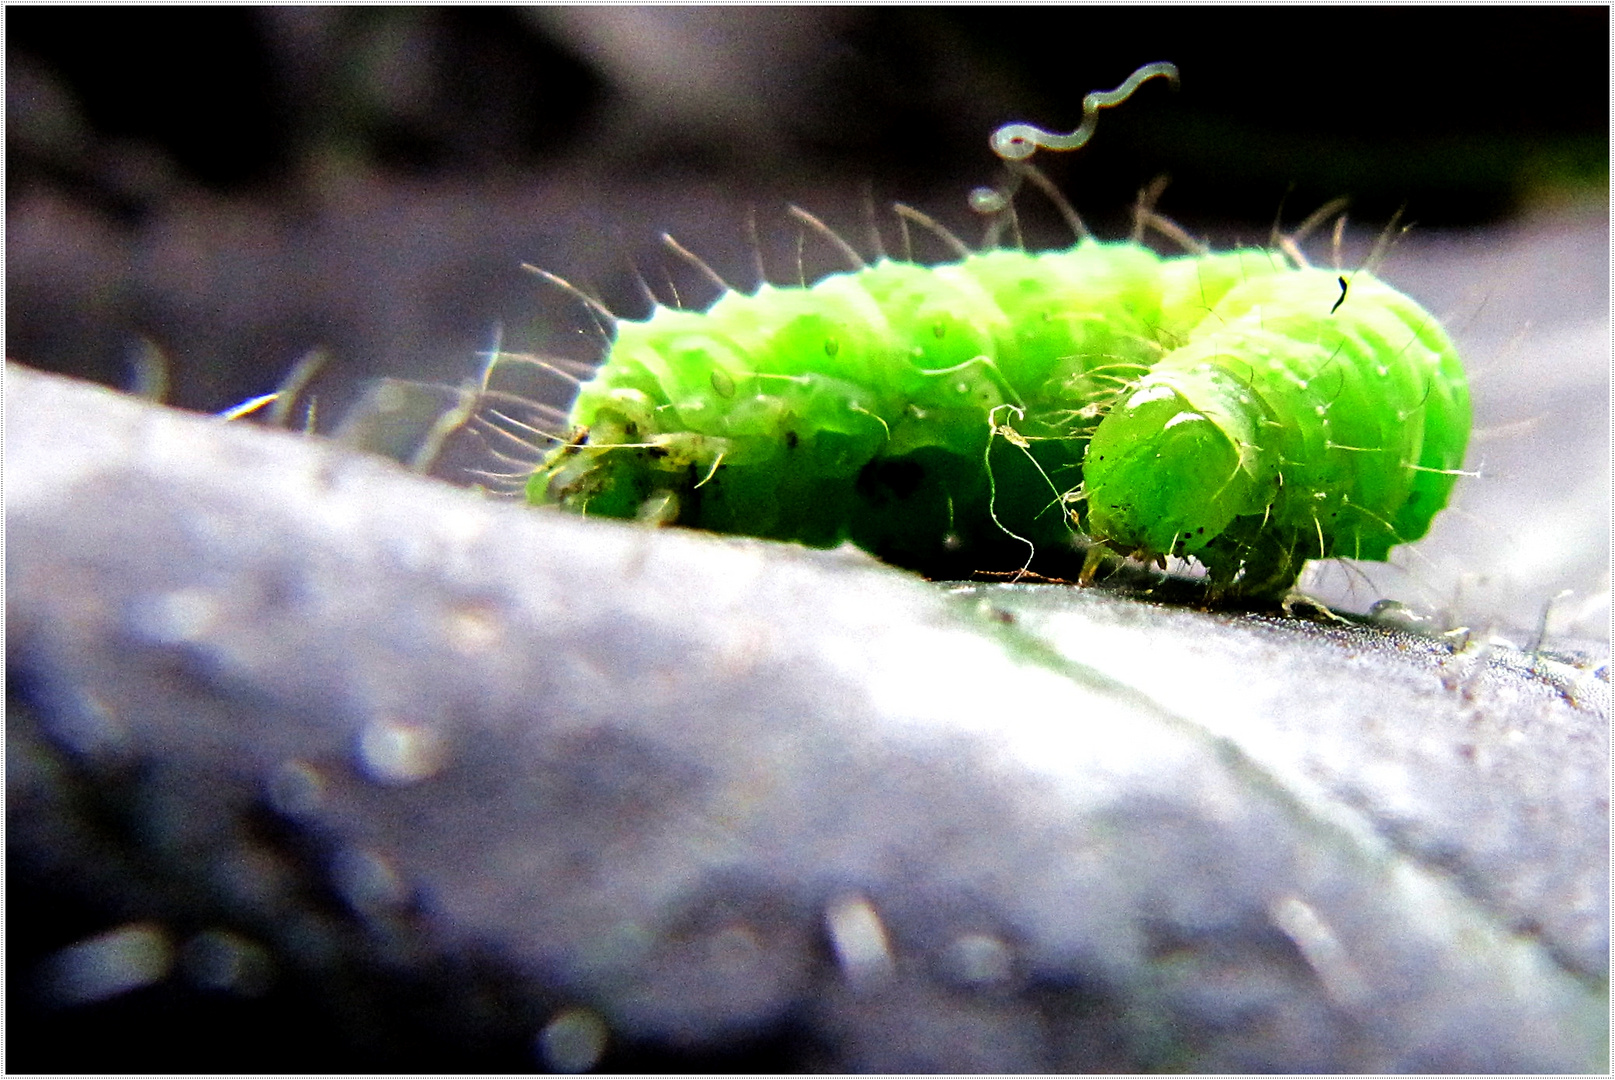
x,y
1017,142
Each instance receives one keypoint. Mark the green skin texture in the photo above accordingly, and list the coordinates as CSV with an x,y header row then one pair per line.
x,y
960,419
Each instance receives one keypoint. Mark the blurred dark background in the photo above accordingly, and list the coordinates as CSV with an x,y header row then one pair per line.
x,y
228,187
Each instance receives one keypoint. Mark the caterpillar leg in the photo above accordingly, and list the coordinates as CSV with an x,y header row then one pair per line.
x,y
1296,598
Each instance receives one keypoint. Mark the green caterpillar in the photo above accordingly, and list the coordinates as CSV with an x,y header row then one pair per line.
x,y
1014,410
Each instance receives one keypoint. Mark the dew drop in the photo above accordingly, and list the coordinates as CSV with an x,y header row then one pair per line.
x,y
392,752
1341,978
176,618
859,940
110,964
573,1041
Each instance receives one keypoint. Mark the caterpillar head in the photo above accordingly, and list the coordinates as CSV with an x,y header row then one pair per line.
x,y
1171,465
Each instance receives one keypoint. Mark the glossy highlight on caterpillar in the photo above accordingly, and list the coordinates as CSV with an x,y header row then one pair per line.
x,y
1014,410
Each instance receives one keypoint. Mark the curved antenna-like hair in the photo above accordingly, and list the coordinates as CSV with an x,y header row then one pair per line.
x,y
283,397
595,307
294,382
934,227
1290,243
1144,207
877,243
1017,142
997,219
756,248
849,252
698,262
1382,246
1061,203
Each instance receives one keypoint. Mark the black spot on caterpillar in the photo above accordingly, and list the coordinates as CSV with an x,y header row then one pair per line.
x,y
1015,410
